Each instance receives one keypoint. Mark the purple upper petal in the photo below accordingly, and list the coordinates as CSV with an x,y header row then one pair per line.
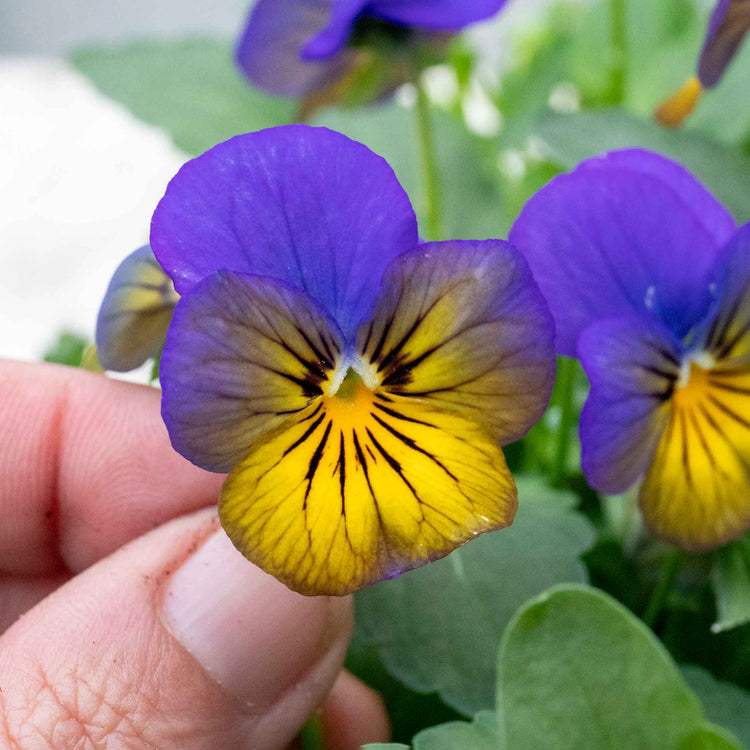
x,y
439,15
628,232
633,365
334,36
435,15
294,47
270,49
305,205
729,23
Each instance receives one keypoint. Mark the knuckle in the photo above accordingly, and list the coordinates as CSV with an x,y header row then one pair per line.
x,y
65,710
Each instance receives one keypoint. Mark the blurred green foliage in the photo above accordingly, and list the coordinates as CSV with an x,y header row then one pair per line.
x,y
67,350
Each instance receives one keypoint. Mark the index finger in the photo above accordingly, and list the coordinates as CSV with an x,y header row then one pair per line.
x,y
85,466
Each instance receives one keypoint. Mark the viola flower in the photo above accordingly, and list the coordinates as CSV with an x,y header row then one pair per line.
x,y
135,313
355,384
299,47
648,281
729,23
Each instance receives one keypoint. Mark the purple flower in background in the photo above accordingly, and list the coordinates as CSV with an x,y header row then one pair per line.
x,y
729,23
727,28
648,281
298,47
355,384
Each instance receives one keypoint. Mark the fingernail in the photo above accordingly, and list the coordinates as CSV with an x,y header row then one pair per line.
x,y
251,634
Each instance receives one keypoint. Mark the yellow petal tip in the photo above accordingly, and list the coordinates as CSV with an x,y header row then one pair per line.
x,y
673,112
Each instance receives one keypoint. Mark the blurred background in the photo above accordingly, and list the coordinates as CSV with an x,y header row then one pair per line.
x,y
101,101
79,174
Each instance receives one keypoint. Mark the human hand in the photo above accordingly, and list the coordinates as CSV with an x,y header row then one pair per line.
x,y
171,641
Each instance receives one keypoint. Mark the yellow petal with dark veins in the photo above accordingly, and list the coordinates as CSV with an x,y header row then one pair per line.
x,y
359,489
697,491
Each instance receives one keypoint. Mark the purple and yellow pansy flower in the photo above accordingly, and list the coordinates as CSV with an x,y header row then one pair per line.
x,y
135,313
355,384
648,280
299,47
727,27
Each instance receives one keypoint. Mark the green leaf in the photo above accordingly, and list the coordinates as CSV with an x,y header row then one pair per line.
x,y
409,712
436,627
481,734
709,737
384,746
731,581
578,670
67,350
190,88
472,207
725,704
573,138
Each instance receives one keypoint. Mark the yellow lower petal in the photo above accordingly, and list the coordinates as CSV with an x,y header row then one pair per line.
x,y
697,491
357,489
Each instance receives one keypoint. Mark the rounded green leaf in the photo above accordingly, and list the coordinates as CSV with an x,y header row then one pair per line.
x,y
436,628
578,670
725,703
481,734
709,737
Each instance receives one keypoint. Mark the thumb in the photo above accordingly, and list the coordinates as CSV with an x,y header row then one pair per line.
x,y
174,641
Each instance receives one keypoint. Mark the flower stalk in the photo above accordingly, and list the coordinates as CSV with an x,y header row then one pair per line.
x,y
566,375
618,24
428,158
670,571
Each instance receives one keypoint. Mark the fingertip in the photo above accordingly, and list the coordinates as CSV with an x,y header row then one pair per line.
x,y
353,714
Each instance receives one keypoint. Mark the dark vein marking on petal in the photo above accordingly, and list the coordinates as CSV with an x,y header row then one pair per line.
x,y
368,337
729,345
683,435
327,361
726,320
720,432
659,372
729,412
140,311
381,343
362,460
392,462
395,350
341,464
314,368
411,443
728,386
402,417
309,388
307,433
315,462
666,354
702,438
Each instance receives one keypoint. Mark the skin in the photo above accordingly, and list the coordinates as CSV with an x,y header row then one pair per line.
x,y
98,517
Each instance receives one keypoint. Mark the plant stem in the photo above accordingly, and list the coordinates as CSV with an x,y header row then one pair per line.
x,y
618,24
566,375
311,735
663,588
430,175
